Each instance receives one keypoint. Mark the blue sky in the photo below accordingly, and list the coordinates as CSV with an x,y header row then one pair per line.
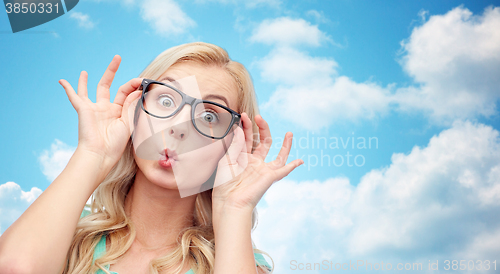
x,y
419,77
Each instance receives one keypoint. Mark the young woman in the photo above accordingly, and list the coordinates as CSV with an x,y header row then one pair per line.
x,y
138,222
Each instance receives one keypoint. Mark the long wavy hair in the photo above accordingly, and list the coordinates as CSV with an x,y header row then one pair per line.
x,y
195,244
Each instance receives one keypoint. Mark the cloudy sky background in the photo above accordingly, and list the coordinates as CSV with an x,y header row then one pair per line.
x,y
393,106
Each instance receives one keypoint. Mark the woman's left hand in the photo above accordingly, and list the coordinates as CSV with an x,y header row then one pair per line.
x,y
242,177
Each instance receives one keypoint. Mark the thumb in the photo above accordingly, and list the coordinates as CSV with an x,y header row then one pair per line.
x,y
237,145
228,165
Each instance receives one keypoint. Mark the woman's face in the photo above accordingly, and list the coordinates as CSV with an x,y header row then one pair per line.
x,y
197,155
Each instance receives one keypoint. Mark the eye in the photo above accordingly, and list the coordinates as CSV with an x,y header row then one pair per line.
x,y
209,117
165,101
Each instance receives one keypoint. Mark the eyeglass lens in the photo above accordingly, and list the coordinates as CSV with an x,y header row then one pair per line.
x,y
209,119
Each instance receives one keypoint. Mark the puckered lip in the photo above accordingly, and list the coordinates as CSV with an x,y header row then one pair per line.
x,y
170,153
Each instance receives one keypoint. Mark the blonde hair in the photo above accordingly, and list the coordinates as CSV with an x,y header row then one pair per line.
x,y
108,218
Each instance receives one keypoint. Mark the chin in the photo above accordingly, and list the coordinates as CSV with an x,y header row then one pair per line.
x,y
163,178
166,185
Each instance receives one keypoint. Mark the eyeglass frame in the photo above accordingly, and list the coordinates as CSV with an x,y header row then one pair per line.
x,y
188,100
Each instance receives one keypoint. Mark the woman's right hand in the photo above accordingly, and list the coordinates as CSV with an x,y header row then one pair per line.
x,y
103,127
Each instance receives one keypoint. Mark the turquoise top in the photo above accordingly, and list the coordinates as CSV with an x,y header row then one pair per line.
x,y
100,250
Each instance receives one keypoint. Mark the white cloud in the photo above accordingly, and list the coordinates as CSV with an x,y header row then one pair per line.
x,y
456,59
316,106
126,3
13,202
439,201
262,3
82,19
318,16
302,219
248,3
309,90
285,31
310,93
54,161
443,185
289,66
423,14
166,17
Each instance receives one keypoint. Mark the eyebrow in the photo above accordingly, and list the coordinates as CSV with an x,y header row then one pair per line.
x,y
167,78
170,79
222,98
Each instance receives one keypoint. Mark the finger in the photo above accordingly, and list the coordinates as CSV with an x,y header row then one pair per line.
x,y
70,92
247,128
126,89
285,170
126,111
82,85
284,152
265,138
107,79
237,145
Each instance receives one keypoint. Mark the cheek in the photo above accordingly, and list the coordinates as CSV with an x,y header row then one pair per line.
x,y
212,154
200,162
197,166
141,163
144,166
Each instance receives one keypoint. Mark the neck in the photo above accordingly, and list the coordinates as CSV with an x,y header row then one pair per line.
x,y
158,214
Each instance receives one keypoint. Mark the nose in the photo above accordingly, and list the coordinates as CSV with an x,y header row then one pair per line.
x,y
181,123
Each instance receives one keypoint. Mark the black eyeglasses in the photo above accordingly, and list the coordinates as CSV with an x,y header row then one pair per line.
x,y
209,118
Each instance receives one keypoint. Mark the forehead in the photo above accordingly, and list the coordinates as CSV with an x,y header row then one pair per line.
x,y
212,80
